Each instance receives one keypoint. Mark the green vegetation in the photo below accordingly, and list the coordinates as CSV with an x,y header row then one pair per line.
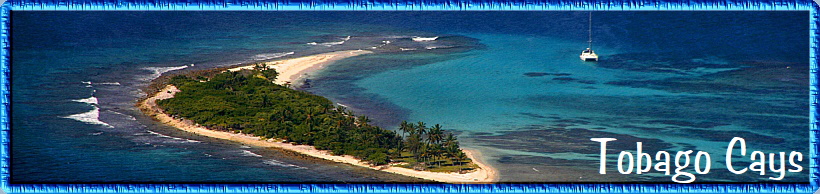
x,y
249,102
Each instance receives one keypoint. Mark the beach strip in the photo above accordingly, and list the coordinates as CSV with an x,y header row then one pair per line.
x,y
291,70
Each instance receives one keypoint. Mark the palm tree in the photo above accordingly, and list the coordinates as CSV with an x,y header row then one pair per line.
x,y
435,135
450,145
422,128
340,109
425,152
310,113
436,152
399,147
411,129
414,144
403,127
450,140
363,121
459,157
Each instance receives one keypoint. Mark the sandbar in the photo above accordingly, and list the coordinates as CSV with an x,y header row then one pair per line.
x,y
291,70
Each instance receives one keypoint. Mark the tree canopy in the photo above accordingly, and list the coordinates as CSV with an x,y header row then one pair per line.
x,y
249,102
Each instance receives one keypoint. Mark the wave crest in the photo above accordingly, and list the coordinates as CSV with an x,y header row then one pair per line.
x,y
158,71
269,56
90,117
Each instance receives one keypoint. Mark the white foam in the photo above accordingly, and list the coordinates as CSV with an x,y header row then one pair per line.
x,y
328,44
97,133
110,83
174,138
90,100
397,37
249,153
408,49
87,82
273,162
158,71
90,117
332,43
268,56
127,116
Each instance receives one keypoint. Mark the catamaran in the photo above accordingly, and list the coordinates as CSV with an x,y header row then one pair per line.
x,y
589,54
424,39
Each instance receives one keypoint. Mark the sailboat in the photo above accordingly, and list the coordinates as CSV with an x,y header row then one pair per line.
x,y
589,54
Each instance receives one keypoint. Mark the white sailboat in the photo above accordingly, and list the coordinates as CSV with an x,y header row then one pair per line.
x,y
589,54
424,39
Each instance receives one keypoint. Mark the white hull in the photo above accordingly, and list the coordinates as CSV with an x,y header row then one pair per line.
x,y
423,39
589,57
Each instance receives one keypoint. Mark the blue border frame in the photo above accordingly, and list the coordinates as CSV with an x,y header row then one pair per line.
x,y
408,5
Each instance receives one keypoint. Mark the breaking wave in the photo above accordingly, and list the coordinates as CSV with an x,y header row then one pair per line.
x,y
158,71
174,138
249,153
328,44
273,162
90,117
110,83
125,115
269,56
90,100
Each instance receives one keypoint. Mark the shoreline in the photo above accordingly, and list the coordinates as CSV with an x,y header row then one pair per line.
x,y
292,70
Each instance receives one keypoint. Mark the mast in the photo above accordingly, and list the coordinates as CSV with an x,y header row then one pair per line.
x,y
590,30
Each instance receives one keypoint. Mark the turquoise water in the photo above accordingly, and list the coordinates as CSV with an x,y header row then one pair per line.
x,y
530,105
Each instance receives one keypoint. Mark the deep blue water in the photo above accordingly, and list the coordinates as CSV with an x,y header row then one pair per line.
x,y
673,80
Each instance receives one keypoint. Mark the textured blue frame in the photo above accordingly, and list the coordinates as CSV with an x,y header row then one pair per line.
x,y
416,5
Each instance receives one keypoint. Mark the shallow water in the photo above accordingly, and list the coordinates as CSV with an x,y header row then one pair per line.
x,y
529,103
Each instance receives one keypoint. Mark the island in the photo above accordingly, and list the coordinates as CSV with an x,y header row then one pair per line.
x,y
253,104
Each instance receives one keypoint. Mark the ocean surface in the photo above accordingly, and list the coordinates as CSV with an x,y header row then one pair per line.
x,y
510,84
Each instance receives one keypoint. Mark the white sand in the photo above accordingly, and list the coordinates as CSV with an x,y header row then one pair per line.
x,y
291,70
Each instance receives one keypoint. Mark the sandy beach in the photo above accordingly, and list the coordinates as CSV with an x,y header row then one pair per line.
x,y
291,70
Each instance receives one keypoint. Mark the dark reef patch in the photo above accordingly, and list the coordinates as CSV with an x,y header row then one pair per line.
x,y
705,124
536,74
540,74
575,121
563,125
661,62
726,136
541,160
480,133
564,79
533,115
587,81
655,129
561,140
754,80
